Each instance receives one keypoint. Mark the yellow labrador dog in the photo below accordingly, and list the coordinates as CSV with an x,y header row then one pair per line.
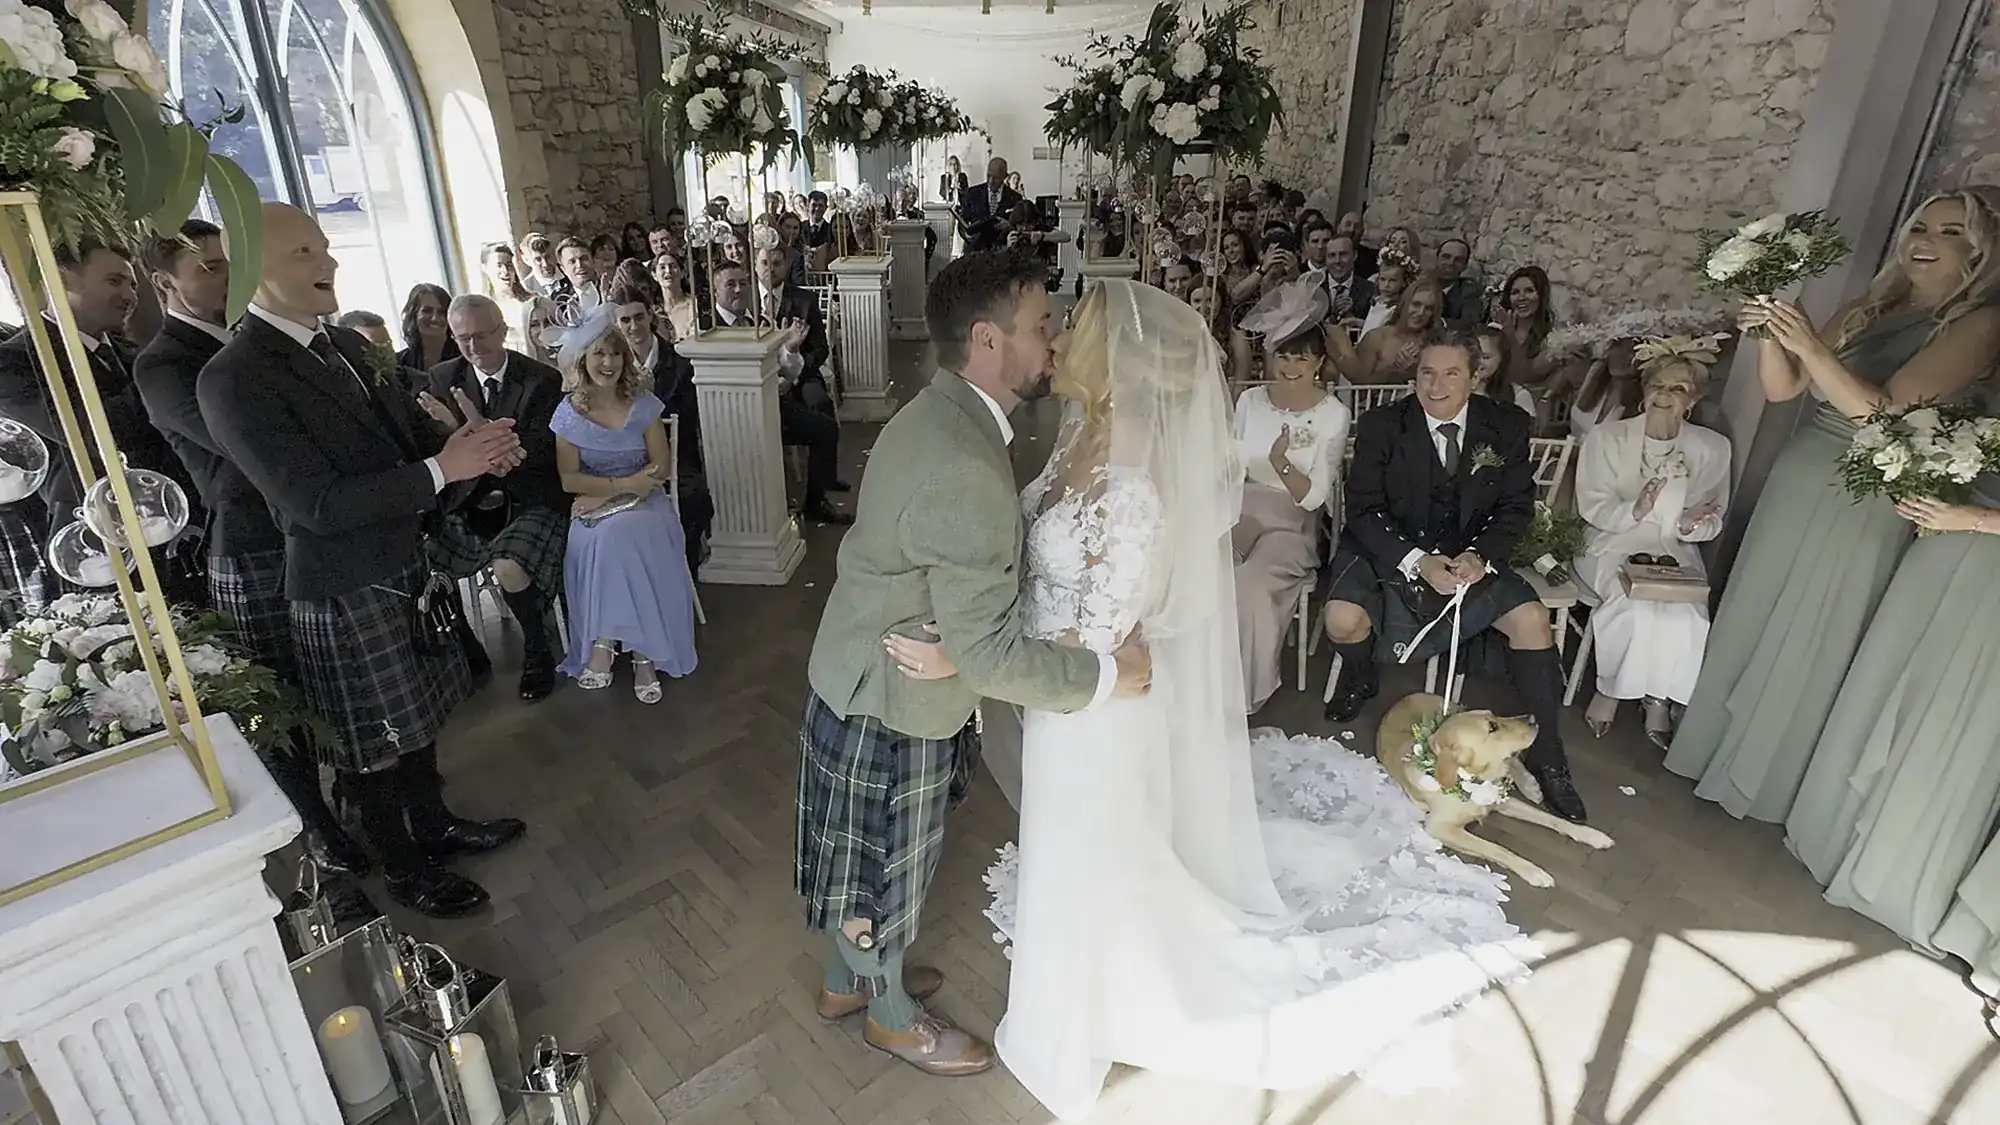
x,y
1483,745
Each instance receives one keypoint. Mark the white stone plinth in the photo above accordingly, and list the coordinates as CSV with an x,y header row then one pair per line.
x,y
906,280
153,991
945,223
1069,255
755,541
864,336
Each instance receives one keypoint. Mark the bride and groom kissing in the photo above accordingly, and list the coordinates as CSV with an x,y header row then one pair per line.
x,y
1186,897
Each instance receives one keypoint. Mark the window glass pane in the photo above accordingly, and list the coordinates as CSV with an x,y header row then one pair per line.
x,y
210,69
363,162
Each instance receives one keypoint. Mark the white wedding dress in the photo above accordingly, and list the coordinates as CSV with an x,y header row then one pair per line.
x,y
1264,911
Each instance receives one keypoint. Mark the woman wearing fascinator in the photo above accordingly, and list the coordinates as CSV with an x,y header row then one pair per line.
x,y
1291,435
625,575
1651,487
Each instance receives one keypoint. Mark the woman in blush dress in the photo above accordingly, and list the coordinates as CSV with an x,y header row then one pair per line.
x,y
1814,564
1652,485
625,577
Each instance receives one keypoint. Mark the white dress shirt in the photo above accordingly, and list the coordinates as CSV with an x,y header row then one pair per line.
x,y
1319,441
1107,665
490,383
302,334
90,343
1409,564
215,330
790,362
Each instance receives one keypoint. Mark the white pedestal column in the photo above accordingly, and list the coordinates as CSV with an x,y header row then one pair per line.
x,y
1069,255
906,280
153,991
1097,269
939,216
756,541
864,336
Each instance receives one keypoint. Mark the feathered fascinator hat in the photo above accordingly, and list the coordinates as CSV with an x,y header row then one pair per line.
x,y
1287,311
597,322
1702,351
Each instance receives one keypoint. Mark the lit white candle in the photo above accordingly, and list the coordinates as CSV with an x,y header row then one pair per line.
x,y
353,1054
475,1080
96,571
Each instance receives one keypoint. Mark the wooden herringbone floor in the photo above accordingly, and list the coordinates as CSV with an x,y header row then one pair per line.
x,y
1694,974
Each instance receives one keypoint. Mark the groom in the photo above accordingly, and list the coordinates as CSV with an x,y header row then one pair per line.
x,y
936,544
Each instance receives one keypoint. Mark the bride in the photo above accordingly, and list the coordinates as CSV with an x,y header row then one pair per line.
x,y
1183,899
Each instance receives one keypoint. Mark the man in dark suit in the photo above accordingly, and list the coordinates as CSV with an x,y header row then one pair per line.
x,y
673,383
983,212
1350,295
246,551
352,472
1441,489
1366,258
1464,300
101,289
517,524
786,303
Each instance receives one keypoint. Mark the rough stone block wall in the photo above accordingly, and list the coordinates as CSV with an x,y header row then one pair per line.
x,y
1307,45
576,93
1597,139
1967,150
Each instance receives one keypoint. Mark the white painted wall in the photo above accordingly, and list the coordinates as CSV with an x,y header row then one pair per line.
x,y
1000,67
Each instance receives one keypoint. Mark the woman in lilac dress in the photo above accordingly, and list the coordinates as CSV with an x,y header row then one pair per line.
x,y
626,573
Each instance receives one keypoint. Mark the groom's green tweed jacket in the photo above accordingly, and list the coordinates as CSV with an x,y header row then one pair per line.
x,y
937,537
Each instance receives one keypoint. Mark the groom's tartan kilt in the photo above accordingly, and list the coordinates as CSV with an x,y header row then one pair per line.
x,y
871,812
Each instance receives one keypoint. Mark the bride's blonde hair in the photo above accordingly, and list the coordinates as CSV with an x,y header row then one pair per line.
x,y
1084,372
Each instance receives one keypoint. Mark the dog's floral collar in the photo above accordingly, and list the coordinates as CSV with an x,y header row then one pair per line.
x,y
1465,786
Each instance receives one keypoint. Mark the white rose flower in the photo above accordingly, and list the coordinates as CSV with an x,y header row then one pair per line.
x,y
99,20
699,115
36,40
1483,793
1189,61
1986,429
1154,88
90,640
736,76
871,120
45,676
1871,436
747,106
206,660
1428,783
1768,225
1179,123
75,147
712,63
1215,71
836,93
1923,420
854,97
1892,461
1134,89
677,71
32,705
700,71
883,99
1731,257
754,79
133,53
1799,243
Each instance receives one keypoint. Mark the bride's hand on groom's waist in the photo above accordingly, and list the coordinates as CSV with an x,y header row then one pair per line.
x,y
920,660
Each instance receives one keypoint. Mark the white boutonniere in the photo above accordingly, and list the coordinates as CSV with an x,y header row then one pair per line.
x,y
1483,457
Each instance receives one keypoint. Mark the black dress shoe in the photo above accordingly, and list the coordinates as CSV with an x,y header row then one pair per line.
x,y
1559,794
1348,699
463,837
840,486
538,679
436,892
826,513
335,852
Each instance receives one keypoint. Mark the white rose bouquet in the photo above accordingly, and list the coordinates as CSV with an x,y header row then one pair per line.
x,y
851,111
1925,452
1760,258
723,96
72,683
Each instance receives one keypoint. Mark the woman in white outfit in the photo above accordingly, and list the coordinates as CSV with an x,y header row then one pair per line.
x,y
1166,910
1654,485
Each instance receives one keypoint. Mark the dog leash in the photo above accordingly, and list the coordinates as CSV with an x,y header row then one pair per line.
x,y
1454,609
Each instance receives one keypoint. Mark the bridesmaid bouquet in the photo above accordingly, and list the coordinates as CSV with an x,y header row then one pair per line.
x,y
1779,250
1926,452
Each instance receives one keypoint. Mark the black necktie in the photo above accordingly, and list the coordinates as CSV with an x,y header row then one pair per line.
x,y
492,384
1451,451
107,354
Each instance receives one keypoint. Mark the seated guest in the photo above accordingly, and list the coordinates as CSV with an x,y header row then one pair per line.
x,y
1389,353
633,276
351,472
531,318
1365,257
800,421
1404,241
541,271
1206,298
1392,275
660,241
1611,390
1527,317
1028,232
628,585
1280,267
1441,489
427,338
369,326
1291,435
514,523
677,308
1464,302
101,290
246,552
1654,485
605,254
1493,377
1241,279
577,291
1351,293
632,242
791,239
670,378
785,304
817,233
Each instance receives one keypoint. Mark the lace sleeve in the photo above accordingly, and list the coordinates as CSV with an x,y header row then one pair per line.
x,y
1120,532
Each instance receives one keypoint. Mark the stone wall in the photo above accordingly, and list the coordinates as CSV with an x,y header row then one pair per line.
x,y
1598,140
1967,149
1307,44
575,89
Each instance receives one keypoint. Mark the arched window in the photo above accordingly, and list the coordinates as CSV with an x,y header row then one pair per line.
x,y
331,123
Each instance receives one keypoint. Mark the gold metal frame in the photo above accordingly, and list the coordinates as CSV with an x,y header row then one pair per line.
x,y
29,257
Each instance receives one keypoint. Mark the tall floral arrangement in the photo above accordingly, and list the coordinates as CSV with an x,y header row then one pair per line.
x,y
72,683
721,96
88,123
930,114
1184,86
857,109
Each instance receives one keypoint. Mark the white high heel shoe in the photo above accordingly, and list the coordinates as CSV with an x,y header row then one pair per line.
x,y
590,679
647,691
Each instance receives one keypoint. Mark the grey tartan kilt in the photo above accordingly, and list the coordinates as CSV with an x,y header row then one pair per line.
x,y
871,812
535,539
360,666
248,589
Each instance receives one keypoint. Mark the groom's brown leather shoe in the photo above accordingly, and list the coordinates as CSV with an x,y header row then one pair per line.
x,y
920,981
934,1047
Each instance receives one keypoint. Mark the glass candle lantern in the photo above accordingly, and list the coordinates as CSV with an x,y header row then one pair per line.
x,y
24,461
456,1043
347,986
559,1090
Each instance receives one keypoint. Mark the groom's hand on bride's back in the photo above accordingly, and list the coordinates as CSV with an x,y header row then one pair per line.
x,y
1135,667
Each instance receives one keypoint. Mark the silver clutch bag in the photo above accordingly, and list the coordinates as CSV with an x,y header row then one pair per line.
x,y
623,502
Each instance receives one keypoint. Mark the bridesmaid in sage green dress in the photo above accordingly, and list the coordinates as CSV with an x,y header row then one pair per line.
x,y
1814,564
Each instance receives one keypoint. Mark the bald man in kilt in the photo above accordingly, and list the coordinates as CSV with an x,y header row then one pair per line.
x,y
936,543
353,472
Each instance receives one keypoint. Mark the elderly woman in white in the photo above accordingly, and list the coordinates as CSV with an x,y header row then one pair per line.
x,y
1654,486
